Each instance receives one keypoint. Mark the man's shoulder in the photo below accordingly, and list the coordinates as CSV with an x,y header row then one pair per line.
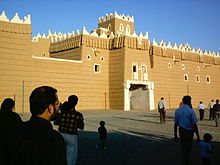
x,y
56,136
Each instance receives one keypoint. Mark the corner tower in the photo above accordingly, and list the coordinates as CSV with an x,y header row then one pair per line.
x,y
116,23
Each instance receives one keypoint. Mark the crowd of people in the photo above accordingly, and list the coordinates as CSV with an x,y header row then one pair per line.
x,y
35,142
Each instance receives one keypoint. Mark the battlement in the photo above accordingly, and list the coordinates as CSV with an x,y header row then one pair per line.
x,y
57,37
185,48
16,19
116,15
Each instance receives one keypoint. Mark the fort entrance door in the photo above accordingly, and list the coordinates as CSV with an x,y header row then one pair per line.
x,y
139,97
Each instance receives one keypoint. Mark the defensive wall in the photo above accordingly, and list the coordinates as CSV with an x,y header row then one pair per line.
x,y
103,66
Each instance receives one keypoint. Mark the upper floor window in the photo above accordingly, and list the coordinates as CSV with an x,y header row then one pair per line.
x,y
128,29
208,79
197,78
121,27
186,77
198,68
183,67
109,26
134,68
169,65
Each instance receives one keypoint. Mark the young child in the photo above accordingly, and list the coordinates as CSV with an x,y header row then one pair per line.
x,y
102,135
205,149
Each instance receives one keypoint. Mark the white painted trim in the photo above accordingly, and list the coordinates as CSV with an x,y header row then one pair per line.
x,y
56,59
127,85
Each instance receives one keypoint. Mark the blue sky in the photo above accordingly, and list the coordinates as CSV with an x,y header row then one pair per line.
x,y
196,22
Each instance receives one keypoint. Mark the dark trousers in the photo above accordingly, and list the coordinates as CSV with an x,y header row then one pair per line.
x,y
162,115
186,139
201,114
211,114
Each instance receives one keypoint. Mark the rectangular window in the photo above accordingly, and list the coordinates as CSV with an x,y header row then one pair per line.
x,y
97,68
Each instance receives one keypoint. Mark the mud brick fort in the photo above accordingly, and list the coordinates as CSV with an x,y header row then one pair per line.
x,y
110,67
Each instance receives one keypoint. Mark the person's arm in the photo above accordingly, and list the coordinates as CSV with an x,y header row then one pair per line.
x,y
195,129
175,131
81,122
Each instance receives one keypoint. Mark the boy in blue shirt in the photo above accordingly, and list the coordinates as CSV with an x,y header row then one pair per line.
x,y
205,149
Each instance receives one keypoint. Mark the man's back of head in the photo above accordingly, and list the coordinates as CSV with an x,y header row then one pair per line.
x,y
72,100
41,98
187,100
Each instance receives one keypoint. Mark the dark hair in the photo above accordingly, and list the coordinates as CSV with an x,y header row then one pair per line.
x,y
102,123
65,107
161,98
7,105
73,100
41,98
207,137
187,100
200,102
217,101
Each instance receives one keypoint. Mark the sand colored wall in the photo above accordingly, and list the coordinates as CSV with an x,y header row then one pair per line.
x,y
168,76
15,61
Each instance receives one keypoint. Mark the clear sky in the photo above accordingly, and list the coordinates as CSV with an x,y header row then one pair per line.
x,y
196,22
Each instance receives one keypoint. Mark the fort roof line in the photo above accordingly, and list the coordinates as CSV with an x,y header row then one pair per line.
x,y
116,15
15,19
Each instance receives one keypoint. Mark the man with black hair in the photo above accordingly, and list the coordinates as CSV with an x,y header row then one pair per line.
x,y
69,122
41,144
185,119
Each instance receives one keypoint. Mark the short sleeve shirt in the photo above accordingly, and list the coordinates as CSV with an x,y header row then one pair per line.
x,y
185,117
204,149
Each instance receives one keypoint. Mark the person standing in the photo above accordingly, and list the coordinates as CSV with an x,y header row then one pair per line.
x,y
10,123
185,119
205,149
41,144
216,109
69,122
162,110
201,108
102,136
211,112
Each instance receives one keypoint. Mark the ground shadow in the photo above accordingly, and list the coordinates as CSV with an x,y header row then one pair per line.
x,y
134,148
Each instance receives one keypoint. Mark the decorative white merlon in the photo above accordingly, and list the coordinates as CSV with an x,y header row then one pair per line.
x,y
3,17
44,36
115,15
162,44
145,36
77,32
49,34
175,46
94,33
134,34
193,50
169,45
103,35
112,35
141,35
154,43
84,31
27,19
16,19
38,35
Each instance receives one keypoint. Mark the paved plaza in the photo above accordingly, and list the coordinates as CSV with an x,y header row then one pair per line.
x,y
137,138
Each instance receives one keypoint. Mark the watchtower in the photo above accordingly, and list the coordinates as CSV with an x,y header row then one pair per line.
x,y
116,23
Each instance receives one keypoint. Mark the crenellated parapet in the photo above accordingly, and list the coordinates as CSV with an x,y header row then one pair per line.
x,y
61,42
15,25
15,19
116,15
183,52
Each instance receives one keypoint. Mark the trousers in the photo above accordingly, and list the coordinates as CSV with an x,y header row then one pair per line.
x,y
71,148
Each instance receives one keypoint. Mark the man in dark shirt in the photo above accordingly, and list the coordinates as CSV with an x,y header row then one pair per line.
x,y
41,145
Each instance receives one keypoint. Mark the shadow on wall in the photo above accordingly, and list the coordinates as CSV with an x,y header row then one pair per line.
x,y
134,148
